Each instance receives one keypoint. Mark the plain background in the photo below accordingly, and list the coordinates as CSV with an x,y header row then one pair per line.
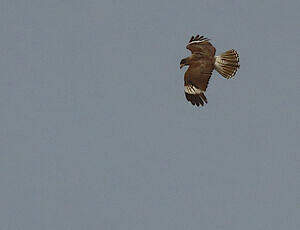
x,y
95,131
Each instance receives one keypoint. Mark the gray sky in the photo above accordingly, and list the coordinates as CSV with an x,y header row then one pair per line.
x,y
96,132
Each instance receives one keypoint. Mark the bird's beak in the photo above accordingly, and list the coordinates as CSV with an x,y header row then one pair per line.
x,y
181,65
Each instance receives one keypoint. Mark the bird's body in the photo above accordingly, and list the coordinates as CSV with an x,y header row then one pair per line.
x,y
201,64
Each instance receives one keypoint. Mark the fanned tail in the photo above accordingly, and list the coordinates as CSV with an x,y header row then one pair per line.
x,y
227,63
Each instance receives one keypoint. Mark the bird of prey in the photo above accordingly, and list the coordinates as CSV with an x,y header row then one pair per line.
x,y
201,64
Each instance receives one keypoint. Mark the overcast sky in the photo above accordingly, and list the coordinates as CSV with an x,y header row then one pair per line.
x,y
96,132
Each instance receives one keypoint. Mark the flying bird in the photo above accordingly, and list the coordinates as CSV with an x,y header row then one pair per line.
x,y
201,64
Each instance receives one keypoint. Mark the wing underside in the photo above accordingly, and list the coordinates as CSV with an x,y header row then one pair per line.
x,y
196,80
201,45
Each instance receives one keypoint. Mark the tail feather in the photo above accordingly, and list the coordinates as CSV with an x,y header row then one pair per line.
x,y
227,63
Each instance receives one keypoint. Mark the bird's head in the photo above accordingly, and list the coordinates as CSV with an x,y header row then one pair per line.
x,y
183,62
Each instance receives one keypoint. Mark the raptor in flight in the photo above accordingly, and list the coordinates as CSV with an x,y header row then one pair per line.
x,y
201,64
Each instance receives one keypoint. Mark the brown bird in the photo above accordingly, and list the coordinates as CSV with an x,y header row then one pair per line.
x,y
201,64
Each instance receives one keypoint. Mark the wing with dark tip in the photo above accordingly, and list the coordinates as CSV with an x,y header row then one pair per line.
x,y
196,80
201,45
197,99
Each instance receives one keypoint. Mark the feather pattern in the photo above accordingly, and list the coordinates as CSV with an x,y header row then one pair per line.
x,y
201,64
227,63
201,45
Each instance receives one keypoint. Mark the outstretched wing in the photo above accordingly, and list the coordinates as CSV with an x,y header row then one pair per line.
x,y
201,45
196,79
